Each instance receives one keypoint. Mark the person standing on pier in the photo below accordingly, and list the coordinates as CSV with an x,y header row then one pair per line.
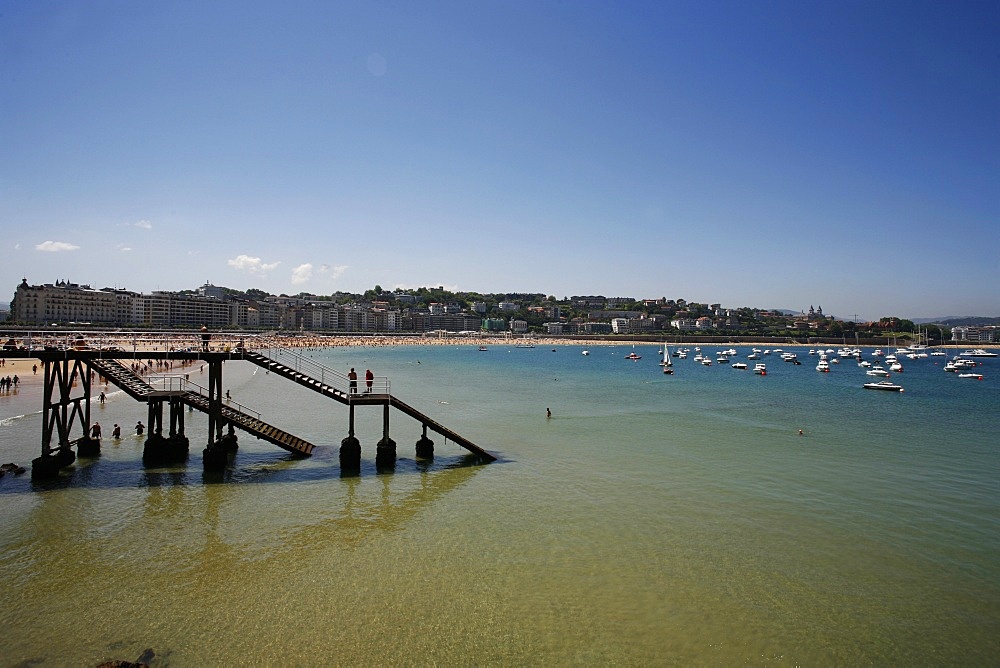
x,y
205,338
352,377
369,379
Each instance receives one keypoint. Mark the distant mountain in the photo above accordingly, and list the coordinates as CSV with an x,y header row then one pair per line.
x,y
959,321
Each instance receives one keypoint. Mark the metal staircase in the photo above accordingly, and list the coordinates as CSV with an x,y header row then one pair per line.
x,y
137,388
335,384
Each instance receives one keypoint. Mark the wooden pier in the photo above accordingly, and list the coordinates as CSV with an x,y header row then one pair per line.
x,y
67,396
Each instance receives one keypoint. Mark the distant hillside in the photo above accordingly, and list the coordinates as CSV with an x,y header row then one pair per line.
x,y
959,321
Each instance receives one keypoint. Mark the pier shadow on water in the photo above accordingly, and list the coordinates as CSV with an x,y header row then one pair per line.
x,y
244,468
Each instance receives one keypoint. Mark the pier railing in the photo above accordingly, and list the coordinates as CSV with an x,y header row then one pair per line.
x,y
336,379
178,383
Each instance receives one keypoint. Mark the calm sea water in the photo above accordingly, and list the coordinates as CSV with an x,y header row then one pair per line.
x,y
652,520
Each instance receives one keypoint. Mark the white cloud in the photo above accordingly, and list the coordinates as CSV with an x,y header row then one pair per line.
x,y
55,246
17,246
302,273
144,224
252,265
123,248
334,271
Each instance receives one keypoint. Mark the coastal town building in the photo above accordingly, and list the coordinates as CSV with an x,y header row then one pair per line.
x,y
619,325
988,334
494,325
209,290
595,301
65,303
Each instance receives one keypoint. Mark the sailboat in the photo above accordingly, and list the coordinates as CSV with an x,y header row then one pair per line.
x,y
667,363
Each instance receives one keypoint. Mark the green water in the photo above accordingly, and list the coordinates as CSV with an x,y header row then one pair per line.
x,y
652,520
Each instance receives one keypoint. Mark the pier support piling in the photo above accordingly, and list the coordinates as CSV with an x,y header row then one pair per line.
x,y
385,454
425,446
350,454
88,447
47,466
218,454
385,449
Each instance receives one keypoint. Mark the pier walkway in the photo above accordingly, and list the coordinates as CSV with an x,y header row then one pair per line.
x,y
335,385
68,361
196,396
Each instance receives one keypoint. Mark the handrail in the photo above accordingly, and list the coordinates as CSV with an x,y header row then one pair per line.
x,y
326,375
176,382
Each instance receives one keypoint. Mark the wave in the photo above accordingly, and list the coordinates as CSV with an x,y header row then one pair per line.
x,y
6,422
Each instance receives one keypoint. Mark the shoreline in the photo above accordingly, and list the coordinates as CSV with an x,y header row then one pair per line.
x,y
220,342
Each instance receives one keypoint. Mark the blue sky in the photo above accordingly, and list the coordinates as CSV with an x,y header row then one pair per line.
x,y
772,154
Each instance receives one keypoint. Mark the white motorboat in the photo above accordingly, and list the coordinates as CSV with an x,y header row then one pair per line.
x,y
823,366
877,370
760,368
739,365
883,385
977,376
978,352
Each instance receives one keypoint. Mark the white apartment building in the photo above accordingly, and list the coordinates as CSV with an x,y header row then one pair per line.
x,y
64,302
